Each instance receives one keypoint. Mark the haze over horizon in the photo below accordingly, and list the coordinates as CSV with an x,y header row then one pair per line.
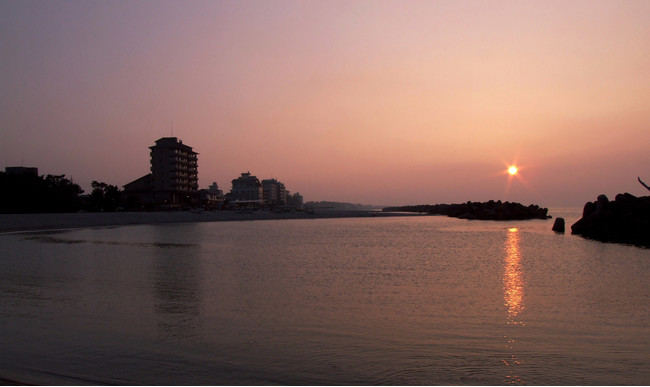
x,y
374,102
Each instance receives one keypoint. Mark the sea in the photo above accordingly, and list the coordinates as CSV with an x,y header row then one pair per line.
x,y
426,300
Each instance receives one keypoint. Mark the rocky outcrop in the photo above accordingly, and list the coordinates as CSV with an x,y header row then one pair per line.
x,y
558,226
624,220
490,210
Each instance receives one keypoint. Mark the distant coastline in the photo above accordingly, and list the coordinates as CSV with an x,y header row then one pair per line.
x,y
12,223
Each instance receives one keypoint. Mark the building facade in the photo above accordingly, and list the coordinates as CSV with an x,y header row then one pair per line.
x,y
212,198
174,170
139,192
214,188
274,192
173,181
246,189
295,201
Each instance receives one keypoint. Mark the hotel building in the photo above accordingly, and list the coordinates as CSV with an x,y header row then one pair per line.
x,y
173,180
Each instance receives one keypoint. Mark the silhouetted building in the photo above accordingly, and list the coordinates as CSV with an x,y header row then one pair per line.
x,y
246,189
211,198
173,180
139,192
214,188
175,171
274,192
21,171
295,201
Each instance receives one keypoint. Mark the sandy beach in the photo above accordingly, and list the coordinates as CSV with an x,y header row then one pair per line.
x,y
37,222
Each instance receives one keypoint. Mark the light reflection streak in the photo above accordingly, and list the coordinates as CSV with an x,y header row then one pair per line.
x,y
513,295
513,284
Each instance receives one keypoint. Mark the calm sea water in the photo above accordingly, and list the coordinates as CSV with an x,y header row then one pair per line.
x,y
412,300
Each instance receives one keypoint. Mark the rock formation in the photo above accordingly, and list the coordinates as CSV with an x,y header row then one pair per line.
x,y
624,220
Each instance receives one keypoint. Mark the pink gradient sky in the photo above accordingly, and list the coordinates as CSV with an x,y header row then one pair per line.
x,y
378,102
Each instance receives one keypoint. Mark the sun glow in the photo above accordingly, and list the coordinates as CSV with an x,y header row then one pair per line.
x,y
512,170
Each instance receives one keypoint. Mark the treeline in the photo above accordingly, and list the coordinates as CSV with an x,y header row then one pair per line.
x,y
26,193
104,197
490,210
339,205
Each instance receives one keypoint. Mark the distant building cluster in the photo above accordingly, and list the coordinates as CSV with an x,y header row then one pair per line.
x,y
173,183
247,190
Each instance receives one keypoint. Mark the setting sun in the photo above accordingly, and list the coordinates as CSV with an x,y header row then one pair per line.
x,y
512,170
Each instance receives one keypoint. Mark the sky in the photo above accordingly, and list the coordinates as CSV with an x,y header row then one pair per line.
x,y
374,102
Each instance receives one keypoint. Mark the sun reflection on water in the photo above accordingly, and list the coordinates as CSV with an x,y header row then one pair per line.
x,y
513,284
513,295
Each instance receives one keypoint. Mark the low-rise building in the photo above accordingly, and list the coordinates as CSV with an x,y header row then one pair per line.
x,y
211,198
139,192
214,188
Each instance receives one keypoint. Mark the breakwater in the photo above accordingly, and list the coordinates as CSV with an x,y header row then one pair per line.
x,y
624,220
490,210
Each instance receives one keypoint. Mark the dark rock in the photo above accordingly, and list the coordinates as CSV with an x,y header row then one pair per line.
x,y
558,226
624,220
589,209
625,198
602,203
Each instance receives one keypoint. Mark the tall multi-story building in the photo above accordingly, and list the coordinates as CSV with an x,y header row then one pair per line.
x,y
175,171
274,192
246,188
173,180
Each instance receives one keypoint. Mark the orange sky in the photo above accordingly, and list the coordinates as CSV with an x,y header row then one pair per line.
x,y
378,102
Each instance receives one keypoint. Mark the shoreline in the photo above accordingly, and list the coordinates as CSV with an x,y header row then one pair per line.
x,y
19,223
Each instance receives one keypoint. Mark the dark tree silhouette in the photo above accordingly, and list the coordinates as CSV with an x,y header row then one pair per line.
x,y
104,197
33,194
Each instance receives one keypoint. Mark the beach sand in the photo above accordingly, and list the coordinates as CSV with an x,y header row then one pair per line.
x,y
37,222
